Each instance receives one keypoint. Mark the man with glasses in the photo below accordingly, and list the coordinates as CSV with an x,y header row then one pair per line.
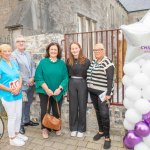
x,y
100,85
27,71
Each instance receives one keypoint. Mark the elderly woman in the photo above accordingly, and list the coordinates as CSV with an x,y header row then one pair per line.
x,y
11,95
100,85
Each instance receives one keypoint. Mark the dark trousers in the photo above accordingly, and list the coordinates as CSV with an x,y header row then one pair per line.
x,y
102,114
53,106
26,105
77,104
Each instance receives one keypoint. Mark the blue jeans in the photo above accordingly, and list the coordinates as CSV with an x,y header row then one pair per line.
x,y
26,105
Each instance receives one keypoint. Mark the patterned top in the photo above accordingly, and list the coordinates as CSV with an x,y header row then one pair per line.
x,y
100,76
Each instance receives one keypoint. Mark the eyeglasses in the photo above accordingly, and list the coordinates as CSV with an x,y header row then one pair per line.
x,y
99,49
20,41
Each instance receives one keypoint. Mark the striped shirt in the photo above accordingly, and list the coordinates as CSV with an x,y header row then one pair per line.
x,y
100,75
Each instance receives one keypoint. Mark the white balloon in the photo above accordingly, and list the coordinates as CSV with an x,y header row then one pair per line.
x,y
128,103
127,125
146,92
141,62
132,93
131,69
147,140
146,68
126,80
140,80
141,146
132,116
142,106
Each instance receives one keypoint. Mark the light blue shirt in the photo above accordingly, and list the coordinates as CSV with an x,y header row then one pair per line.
x,y
9,74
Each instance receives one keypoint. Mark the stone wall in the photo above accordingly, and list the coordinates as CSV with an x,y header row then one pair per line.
x,y
136,16
59,16
37,44
6,9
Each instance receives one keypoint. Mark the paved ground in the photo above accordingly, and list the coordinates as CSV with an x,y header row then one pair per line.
x,y
62,142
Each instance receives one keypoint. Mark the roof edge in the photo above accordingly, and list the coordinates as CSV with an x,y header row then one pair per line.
x,y
138,10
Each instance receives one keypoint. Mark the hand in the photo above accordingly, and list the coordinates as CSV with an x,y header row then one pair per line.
x,y
31,81
107,97
57,91
15,91
49,92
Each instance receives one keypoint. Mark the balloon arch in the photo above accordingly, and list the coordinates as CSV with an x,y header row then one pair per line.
x,y
137,84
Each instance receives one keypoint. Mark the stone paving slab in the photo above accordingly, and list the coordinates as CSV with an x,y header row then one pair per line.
x,y
62,142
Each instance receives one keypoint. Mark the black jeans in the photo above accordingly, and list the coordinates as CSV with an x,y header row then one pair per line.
x,y
53,106
77,104
102,114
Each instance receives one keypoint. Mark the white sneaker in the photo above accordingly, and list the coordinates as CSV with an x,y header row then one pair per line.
x,y
79,134
16,142
73,133
22,137
58,132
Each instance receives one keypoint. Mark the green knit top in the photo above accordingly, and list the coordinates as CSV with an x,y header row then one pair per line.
x,y
53,74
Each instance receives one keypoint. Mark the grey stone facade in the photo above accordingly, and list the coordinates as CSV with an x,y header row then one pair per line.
x,y
136,16
32,17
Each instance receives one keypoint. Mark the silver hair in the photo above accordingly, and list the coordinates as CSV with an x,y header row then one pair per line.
x,y
19,36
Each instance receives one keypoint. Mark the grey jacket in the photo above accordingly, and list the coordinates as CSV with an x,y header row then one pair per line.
x,y
26,72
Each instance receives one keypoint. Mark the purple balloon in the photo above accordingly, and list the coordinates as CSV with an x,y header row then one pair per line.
x,y
147,122
141,129
130,139
146,118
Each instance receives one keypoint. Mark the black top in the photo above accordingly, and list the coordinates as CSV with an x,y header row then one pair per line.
x,y
79,70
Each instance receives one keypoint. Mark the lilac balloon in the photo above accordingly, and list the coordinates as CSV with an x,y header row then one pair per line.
x,y
130,139
141,129
146,118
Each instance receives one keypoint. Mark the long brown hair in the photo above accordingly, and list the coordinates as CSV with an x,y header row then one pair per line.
x,y
81,57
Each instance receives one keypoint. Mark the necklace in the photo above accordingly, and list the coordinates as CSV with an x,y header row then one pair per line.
x,y
53,60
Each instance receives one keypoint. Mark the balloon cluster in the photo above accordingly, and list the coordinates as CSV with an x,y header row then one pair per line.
x,y
137,102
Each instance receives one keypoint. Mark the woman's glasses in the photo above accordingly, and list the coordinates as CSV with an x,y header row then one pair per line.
x,y
97,50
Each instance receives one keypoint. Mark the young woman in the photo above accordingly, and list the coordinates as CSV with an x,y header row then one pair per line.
x,y
77,66
51,78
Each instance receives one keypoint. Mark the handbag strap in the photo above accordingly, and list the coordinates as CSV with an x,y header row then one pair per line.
x,y
48,104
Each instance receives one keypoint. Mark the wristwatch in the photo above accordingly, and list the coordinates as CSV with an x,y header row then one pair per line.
x,y
60,88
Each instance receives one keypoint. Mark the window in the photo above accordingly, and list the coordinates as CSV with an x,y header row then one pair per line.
x,y
112,16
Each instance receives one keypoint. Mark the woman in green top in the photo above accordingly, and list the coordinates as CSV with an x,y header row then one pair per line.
x,y
51,78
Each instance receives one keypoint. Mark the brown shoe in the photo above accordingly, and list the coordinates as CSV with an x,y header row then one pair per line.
x,y
45,133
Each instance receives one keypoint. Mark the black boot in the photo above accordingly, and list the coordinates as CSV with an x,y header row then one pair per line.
x,y
107,144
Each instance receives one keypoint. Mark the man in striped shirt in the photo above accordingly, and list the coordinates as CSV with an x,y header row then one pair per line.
x,y
100,85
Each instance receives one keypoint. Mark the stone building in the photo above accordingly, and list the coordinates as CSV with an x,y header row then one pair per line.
x,y
42,21
32,17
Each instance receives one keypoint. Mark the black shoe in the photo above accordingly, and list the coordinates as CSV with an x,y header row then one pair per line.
x,y
31,123
97,136
22,130
107,144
